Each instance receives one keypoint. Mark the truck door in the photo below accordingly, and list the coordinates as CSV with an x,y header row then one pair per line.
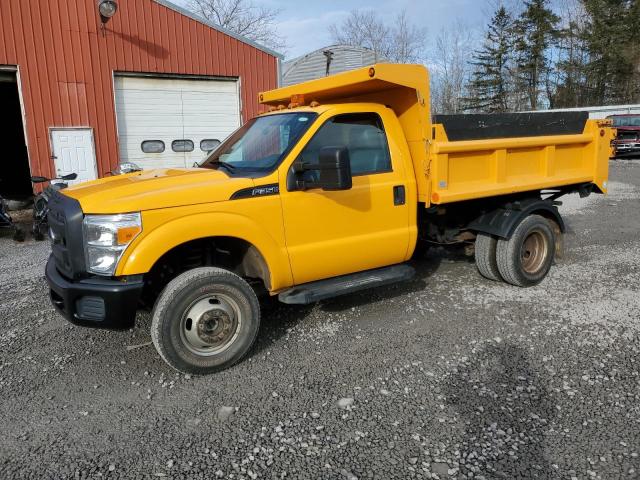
x,y
330,233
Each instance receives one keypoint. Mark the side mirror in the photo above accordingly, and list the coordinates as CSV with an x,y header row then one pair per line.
x,y
38,179
70,176
335,168
126,167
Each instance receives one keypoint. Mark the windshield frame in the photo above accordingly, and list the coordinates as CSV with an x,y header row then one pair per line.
x,y
618,120
254,172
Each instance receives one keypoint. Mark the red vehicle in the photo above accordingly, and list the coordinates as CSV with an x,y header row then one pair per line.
x,y
627,142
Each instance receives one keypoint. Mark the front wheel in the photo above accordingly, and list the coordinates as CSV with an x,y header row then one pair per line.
x,y
205,320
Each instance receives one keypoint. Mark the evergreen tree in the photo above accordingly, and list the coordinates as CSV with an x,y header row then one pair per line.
x,y
570,89
489,89
534,32
612,37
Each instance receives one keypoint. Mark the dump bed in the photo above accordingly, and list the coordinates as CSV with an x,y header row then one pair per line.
x,y
466,157
475,156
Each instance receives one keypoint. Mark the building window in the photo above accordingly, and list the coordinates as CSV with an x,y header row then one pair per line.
x,y
209,145
182,146
152,146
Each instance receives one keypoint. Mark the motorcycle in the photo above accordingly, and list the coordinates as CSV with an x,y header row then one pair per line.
x,y
41,203
7,222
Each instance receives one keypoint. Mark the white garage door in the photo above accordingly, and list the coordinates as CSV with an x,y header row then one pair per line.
x,y
173,122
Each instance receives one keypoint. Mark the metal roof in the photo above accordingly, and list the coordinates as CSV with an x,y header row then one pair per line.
x,y
314,64
198,18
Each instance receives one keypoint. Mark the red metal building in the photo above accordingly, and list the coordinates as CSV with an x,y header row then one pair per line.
x,y
148,85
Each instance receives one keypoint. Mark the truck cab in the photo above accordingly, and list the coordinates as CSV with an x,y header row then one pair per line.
x,y
627,141
330,191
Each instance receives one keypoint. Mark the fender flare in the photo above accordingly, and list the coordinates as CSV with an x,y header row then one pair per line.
x,y
502,222
140,257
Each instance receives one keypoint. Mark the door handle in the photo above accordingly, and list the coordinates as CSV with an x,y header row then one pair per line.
x,y
399,195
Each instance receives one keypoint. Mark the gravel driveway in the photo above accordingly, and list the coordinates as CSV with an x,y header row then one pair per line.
x,y
449,376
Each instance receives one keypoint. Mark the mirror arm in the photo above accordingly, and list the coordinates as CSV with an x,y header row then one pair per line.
x,y
298,169
301,167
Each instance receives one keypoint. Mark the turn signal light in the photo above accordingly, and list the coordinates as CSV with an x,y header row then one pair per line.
x,y
126,234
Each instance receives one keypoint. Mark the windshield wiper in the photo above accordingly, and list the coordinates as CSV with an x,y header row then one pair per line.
x,y
222,164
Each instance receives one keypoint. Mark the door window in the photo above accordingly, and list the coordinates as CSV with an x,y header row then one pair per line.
x,y
362,134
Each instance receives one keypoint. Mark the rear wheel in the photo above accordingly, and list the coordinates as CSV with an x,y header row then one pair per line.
x,y
525,259
485,254
205,320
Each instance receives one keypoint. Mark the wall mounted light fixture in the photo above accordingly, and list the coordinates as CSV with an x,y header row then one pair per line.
x,y
107,9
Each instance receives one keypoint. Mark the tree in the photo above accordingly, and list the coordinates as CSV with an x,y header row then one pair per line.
x,y
242,17
407,40
450,69
489,86
534,31
566,86
401,43
612,36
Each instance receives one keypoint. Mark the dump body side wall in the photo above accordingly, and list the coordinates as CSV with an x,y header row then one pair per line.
x,y
471,169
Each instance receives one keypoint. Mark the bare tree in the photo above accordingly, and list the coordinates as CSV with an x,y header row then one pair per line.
x,y
402,42
242,17
450,69
408,40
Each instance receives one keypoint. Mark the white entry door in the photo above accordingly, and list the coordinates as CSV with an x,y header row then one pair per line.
x,y
73,152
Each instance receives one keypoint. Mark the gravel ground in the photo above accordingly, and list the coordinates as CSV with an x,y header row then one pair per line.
x,y
449,376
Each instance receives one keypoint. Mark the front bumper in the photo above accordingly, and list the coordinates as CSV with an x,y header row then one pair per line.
x,y
622,149
94,302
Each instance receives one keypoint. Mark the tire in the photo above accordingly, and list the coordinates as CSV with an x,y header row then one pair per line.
x,y
485,254
18,235
225,323
525,259
37,232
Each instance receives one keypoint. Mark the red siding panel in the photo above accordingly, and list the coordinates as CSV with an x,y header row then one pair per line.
x,y
67,63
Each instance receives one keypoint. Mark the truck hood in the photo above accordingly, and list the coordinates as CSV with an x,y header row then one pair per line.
x,y
154,189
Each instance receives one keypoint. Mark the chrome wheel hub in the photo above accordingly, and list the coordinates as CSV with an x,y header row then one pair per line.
x,y
210,324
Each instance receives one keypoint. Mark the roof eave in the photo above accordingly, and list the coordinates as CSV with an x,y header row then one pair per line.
x,y
204,21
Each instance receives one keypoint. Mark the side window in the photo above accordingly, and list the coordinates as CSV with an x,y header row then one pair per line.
x,y
364,137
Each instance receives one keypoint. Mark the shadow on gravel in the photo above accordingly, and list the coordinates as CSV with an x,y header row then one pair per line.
x,y
425,268
507,408
277,317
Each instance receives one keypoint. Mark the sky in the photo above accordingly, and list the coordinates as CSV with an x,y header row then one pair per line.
x,y
304,23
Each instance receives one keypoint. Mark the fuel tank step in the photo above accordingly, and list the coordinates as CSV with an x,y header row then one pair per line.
x,y
332,287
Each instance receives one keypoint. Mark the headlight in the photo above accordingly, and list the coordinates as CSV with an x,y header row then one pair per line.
x,y
106,237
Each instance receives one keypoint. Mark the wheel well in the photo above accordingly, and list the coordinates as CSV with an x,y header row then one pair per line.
x,y
230,253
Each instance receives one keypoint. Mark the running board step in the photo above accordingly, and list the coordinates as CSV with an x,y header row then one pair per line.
x,y
332,287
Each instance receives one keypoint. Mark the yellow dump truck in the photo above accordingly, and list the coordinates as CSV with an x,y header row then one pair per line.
x,y
331,191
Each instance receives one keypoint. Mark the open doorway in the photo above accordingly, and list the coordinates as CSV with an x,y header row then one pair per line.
x,y
15,174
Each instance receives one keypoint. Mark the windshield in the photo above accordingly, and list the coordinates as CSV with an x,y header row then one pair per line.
x,y
260,144
626,121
